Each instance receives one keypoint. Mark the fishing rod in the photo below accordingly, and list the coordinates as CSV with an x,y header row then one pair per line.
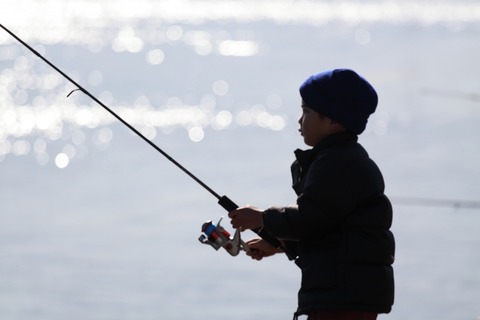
x,y
223,201
432,202
453,94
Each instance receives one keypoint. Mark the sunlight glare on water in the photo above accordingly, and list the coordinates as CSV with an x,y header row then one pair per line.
x,y
155,56
61,160
91,233
33,97
34,103
63,17
238,48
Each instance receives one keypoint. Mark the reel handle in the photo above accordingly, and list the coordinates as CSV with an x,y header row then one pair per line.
x,y
229,205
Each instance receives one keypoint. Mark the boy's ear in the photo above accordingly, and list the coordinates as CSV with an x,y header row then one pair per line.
x,y
321,116
337,126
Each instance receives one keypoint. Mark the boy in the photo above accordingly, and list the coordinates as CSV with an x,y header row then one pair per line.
x,y
339,229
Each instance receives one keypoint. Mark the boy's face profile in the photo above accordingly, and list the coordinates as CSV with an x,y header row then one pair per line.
x,y
314,127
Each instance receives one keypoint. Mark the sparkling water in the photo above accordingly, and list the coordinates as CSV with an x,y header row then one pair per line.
x,y
94,224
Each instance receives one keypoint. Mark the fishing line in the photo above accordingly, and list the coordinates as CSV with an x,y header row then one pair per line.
x,y
68,95
224,201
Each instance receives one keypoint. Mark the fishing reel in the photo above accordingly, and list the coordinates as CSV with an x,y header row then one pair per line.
x,y
216,236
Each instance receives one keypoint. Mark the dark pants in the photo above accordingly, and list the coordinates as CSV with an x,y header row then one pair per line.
x,y
342,315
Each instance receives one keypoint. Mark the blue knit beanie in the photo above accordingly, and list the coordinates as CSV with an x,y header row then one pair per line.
x,y
341,95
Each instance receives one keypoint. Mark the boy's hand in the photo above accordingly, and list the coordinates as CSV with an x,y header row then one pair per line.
x,y
259,249
246,218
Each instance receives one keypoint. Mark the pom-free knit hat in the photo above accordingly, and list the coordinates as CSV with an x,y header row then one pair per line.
x,y
341,95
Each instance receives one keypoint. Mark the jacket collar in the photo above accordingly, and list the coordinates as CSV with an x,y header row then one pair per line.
x,y
305,157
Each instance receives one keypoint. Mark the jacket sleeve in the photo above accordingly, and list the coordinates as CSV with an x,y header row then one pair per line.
x,y
333,187
279,221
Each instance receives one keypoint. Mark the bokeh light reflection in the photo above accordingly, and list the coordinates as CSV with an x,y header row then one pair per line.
x,y
220,87
196,134
222,120
155,56
127,40
52,117
62,160
21,147
35,112
238,48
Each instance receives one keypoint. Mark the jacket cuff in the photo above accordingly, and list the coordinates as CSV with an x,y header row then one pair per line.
x,y
275,221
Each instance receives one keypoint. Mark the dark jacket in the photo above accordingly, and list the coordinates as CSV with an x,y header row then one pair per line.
x,y
339,229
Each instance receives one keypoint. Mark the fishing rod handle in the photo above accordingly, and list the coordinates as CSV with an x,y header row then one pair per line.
x,y
229,205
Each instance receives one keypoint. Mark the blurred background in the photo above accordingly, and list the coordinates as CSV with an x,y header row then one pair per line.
x,y
95,224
